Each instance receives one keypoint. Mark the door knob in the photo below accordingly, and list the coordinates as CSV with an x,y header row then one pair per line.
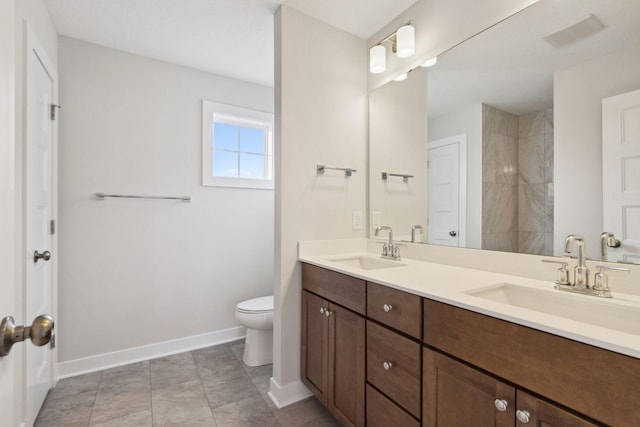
x,y
453,233
39,332
46,255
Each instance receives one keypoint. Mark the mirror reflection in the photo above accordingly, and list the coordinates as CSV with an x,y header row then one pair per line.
x,y
515,120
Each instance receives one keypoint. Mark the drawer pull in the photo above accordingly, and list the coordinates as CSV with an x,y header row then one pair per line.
x,y
501,404
387,308
387,365
523,416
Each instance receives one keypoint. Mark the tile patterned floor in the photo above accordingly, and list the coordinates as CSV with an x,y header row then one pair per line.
x,y
207,387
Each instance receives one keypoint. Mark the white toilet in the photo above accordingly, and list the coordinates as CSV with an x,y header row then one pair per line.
x,y
257,316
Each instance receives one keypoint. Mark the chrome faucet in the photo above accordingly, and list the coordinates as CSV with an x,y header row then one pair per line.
x,y
413,232
607,240
581,272
389,250
600,287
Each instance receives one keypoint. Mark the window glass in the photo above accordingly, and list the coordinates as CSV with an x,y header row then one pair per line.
x,y
225,136
252,140
225,163
251,165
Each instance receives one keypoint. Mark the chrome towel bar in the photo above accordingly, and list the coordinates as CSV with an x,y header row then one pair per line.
x,y
102,196
405,177
347,171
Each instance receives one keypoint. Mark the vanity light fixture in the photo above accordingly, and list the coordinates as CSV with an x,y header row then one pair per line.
x,y
377,59
403,44
406,41
400,78
430,62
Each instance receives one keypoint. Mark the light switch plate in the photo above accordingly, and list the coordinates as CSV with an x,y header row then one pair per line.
x,y
375,219
356,220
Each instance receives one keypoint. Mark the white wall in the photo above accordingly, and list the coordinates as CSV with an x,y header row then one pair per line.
x,y
398,144
467,120
141,272
321,117
577,97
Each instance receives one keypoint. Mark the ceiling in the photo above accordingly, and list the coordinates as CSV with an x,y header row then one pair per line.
x,y
510,66
232,38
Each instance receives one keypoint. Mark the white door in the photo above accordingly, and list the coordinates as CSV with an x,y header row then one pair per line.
x,y
621,173
9,402
39,149
443,223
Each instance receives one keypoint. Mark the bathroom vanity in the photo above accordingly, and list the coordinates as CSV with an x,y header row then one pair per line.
x,y
382,348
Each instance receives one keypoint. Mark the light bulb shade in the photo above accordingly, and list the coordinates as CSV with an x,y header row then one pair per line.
x,y
400,78
406,41
430,62
377,59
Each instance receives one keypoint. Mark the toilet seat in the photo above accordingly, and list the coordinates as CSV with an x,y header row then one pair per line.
x,y
256,305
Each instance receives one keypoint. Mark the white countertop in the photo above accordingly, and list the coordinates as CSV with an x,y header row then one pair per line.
x,y
448,284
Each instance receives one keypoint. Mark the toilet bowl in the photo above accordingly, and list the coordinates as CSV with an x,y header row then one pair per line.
x,y
257,316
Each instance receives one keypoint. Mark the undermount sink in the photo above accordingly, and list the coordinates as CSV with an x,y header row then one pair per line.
x,y
586,309
368,263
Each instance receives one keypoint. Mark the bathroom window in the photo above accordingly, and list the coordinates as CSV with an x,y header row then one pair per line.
x,y
237,147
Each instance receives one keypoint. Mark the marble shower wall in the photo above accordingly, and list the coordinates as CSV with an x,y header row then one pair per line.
x,y
500,133
535,195
517,181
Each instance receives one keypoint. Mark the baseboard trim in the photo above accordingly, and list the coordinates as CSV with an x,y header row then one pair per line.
x,y
99,362
286,395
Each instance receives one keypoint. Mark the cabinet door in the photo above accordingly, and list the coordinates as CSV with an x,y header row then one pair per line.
x,y
315,341
535,412
346,392
455,395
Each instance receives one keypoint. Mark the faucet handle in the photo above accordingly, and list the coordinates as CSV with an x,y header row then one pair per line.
x,y
562,275
601,282
602,268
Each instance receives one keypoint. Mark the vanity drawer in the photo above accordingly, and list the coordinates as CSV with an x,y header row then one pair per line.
x,y
381,412
396,309
400,380
344,290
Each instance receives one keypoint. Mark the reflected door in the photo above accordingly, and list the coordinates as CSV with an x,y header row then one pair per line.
x,y
444,187
621,173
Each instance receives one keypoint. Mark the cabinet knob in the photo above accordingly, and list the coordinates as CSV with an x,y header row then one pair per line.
x,y
387,365
387,308
523,416
321,310
327,313
501,404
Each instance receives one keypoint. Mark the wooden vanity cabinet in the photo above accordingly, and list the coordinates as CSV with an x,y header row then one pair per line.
x,y
448,366
456,395
595,382
545,414
333,346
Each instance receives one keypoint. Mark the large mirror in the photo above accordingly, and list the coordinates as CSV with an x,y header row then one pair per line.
x,y
504,139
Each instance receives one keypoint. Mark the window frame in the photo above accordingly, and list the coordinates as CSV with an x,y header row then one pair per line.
x,y
242,117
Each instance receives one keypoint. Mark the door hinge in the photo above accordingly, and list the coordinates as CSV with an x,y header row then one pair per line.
x,y
52,226
54,107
